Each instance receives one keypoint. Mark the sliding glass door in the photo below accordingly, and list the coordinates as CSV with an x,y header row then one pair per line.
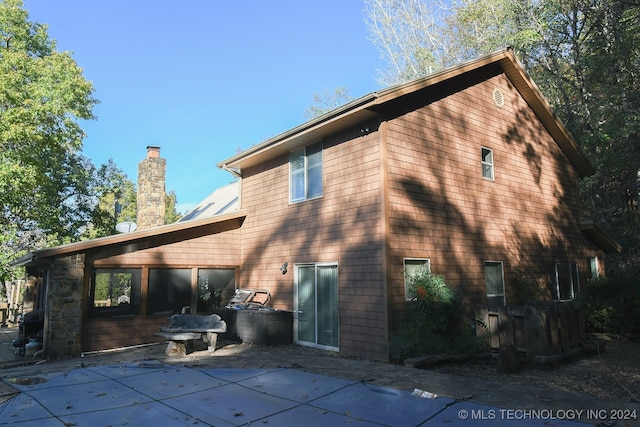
x,y
316,305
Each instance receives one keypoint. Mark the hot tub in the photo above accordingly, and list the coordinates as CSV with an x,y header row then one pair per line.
x,y
263,325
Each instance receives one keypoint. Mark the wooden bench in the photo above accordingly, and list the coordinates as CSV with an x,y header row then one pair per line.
x,y
186,327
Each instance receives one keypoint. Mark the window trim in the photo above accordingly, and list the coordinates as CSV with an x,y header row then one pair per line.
x,y
489,164
169,288
132,308
305,171
296,308
574,273
594,267
426,261
504,285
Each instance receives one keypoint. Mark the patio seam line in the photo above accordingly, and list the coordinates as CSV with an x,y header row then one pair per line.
x,y
309,403
106,379
163,401
448,405
43,407
364,383
296,401
204,371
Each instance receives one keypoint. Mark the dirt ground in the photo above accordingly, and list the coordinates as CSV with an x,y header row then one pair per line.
x,y
614,374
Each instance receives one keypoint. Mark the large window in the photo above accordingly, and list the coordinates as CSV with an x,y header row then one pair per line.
x,y
567,281
169,290
495,284
487,163
215,288
115,291
305,173
411,265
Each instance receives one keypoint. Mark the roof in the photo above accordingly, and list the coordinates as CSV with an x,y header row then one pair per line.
x,y
140,239
222,200
367,107
598,235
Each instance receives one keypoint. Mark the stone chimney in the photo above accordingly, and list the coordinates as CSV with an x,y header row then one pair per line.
x,y
151,191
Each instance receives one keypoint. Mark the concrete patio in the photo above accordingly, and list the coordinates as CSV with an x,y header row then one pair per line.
x,y
241,384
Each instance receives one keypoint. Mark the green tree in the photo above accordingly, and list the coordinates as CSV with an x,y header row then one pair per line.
x,y
44,179
114,201
171,215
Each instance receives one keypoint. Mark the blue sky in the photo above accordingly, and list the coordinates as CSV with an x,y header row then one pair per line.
x,y
204,78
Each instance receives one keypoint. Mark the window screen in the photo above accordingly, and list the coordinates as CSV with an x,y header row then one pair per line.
x,y
115,291
169,290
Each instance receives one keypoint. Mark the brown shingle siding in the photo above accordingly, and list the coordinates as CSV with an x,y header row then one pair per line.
x,y
441,208
342,226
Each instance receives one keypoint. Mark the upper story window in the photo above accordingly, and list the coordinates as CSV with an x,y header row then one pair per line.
x,y
305,173
487,163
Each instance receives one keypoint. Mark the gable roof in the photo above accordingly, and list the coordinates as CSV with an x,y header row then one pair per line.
x,y
368,107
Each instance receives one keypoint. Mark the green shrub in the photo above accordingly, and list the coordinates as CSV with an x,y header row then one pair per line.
x,y
432,322
612,304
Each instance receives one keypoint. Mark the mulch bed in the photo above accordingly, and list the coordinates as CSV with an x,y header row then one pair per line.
x,y
612,374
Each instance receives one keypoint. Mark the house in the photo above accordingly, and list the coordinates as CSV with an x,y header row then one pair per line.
x,y
466,171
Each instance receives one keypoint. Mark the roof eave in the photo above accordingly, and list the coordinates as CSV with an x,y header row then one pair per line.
x,y
238,162
102,242
600,237
545,113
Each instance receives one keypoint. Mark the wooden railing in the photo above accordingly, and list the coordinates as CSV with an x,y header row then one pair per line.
x,y
539,329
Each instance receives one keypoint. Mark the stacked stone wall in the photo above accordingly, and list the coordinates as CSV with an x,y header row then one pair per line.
x,y
65,307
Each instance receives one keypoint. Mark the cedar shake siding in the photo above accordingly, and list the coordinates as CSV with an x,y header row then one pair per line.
x,y
441,207
342,226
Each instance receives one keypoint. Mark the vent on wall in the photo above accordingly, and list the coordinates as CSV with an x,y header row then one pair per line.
x,y
498,98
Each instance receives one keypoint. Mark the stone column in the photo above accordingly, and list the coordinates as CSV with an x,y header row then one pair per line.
x,y
65,307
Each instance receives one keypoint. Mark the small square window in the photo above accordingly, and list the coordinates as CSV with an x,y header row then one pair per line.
x,y
487,163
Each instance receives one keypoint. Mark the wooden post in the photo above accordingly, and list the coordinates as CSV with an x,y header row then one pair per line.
x,y
553,327
563,326
505,326
581,327
535,331
519,334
